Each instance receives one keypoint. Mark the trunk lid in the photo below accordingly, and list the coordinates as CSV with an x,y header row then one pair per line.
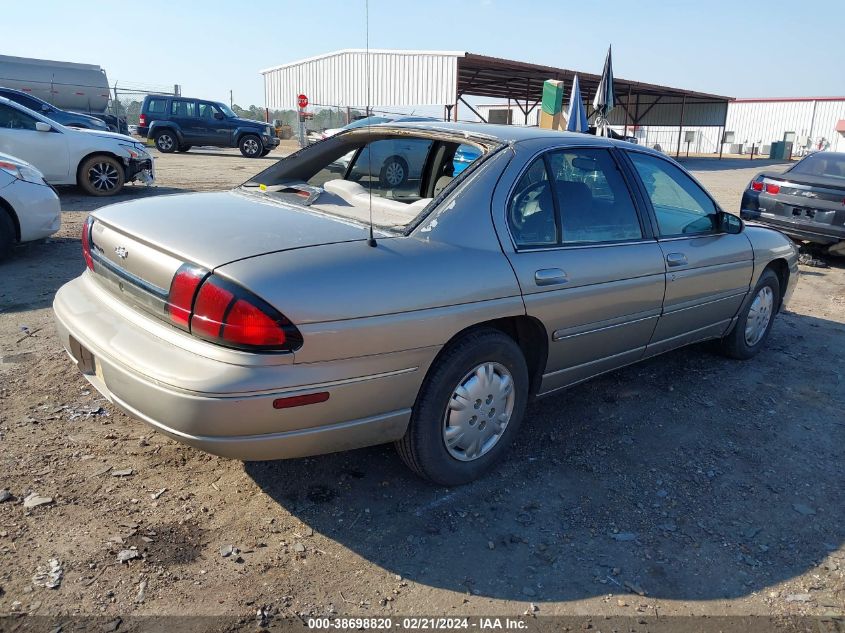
x,y
138,246
212,229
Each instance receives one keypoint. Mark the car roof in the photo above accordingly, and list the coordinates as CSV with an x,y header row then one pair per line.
x,y
515,133
37,115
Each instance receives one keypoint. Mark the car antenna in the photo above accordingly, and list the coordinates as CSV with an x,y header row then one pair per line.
x,y
371,240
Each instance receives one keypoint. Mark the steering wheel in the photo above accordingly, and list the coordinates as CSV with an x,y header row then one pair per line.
x,y
524,197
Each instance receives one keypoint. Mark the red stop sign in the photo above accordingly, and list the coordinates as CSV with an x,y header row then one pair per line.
x,y
302,101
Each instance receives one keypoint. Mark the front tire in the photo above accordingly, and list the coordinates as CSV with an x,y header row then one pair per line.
x,y
265,151
7,234
251,146
166,141
755,322
469,409
101,176
185,148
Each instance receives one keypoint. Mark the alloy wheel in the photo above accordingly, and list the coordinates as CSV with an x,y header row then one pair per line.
x,y
164,142
103,176
251,147
394,174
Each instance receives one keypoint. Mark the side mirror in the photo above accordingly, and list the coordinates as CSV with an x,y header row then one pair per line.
x,y
218,116
43,127
730,223
45,107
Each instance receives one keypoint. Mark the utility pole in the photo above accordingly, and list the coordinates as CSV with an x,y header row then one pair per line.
x,y
231,101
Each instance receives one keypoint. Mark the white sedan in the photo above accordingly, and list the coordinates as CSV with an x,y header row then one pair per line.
x,y
99,162
29,207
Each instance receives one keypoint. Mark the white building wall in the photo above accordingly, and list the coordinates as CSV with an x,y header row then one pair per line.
x,y
396,78
753,122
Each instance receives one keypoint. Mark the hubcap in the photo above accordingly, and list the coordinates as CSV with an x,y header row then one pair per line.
x,y
165,142
394,173
251,146
759,316
478,412
103,176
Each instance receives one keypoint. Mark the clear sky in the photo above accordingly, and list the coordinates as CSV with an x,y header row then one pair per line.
x,y
740,48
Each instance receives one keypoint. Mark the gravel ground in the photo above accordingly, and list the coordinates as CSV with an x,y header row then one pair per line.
x,y
688,484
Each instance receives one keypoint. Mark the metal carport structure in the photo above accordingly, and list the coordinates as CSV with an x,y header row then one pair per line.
x,y
407,78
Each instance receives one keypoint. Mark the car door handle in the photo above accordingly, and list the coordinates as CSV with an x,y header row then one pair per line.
x,y
676,259
550,277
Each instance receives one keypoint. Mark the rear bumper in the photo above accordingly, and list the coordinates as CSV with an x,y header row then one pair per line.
x,y
226,408
804,229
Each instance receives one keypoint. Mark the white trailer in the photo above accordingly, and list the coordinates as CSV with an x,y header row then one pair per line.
x,y
69,86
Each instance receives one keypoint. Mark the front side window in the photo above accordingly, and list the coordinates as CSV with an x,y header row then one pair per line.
x,y
595,205
207,110
681,206
531,211
13,119
183,108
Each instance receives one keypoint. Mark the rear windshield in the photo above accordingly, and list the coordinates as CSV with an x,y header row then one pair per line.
x,y
394,175
822,164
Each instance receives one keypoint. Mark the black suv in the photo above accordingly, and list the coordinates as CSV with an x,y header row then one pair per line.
x,y
178,123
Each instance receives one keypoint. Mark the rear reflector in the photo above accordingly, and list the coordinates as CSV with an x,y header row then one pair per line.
x,y
773,189
757,185
183,289
86,242
298,401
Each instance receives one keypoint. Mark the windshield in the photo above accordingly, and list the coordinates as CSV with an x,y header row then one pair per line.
x,y
226,110
825,164
370,120
397,175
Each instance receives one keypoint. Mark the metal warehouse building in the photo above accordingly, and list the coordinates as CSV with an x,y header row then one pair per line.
x,y
447,78
675,119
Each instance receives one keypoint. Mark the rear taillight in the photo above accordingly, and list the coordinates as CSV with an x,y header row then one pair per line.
x,y
757,185
773,189
142,120
227,314
183,289
86,242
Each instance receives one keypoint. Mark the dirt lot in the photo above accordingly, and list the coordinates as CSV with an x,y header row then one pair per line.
x,y
689,484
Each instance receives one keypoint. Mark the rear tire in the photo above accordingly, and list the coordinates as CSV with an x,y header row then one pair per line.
x,y
455,434
755,321
101,176
166,141
251,146
7,234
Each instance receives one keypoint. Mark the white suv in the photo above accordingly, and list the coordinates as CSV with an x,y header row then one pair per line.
x,y
99,162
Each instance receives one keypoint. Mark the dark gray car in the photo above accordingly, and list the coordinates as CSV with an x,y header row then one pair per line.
x,y
807,201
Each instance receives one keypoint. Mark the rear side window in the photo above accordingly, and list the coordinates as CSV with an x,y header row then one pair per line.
x,y
183,108
531,211
595,204
157,106
680,205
